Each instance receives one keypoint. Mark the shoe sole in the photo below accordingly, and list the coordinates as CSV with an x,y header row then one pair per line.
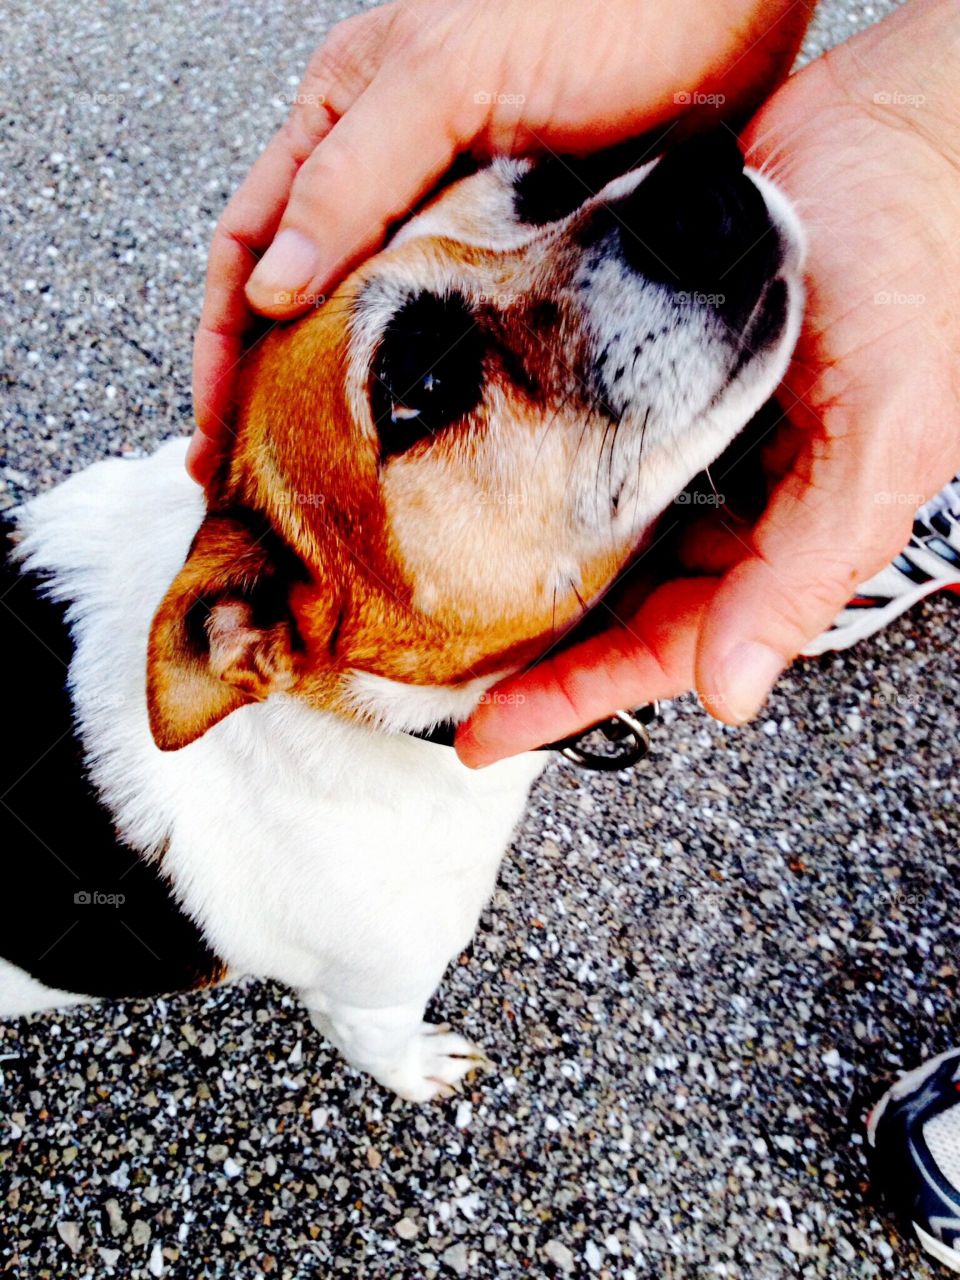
x,y
909,1082
937,1249
875,620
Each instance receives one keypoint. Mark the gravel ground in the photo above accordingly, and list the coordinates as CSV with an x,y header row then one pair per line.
x,y
693,981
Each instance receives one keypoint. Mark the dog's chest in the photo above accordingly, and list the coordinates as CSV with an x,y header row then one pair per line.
x,y
314,853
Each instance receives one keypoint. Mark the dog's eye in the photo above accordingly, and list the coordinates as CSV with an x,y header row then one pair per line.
x,y
428,370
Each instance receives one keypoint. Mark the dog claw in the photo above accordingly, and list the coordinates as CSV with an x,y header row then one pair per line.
x,y
437,1062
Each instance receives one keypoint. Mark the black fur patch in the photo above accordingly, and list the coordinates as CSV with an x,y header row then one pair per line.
x,y
82,911
557,185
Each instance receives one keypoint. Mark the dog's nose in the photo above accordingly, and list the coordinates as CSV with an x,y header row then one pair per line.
x,y
698,224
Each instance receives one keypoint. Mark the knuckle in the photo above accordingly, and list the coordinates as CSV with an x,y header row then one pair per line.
x,y
410,33
347,60
296,135
312,195
336,56
226,239
325,172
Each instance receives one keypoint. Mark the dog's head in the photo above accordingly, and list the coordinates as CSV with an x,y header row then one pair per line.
x,y
434,469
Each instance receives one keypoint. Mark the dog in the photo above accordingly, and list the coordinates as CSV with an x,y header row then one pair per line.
x,y
233,741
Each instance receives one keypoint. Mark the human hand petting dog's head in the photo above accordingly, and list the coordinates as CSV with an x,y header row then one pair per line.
x,y
864,141
436,471
393,96
869,406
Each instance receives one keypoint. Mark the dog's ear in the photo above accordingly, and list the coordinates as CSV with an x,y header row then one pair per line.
x,y
223,634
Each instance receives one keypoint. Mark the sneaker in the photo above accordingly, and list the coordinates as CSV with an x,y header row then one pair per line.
x,y
929,562
914,1131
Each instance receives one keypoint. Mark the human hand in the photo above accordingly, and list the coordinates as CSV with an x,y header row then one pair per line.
x,y
867,142
395,94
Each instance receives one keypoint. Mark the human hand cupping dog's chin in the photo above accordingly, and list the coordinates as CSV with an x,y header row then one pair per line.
x,y
393,96
867,143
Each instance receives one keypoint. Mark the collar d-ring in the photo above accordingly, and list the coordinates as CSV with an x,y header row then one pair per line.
x,y
625,731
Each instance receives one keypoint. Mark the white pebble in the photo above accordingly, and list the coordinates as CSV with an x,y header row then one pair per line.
x,y
592,1255
797,1241
464,1114
69,1233
558,1253
456,1259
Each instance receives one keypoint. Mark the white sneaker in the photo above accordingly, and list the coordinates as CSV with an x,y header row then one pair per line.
x,y
914,1136
929,562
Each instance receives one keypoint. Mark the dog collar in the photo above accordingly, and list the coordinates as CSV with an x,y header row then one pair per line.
x,y
625,732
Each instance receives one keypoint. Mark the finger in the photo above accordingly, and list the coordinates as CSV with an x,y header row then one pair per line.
x,y
813,547
714,544
337,74
362,177
203,457
245,229
630,665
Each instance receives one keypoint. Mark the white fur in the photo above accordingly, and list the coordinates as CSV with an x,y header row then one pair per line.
x,y
348,863
22,994
395,707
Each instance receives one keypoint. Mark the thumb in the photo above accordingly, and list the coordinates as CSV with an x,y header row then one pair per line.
x,y
810,552
360,178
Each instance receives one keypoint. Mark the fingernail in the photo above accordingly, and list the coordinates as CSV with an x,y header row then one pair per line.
x,y
747,676
284,272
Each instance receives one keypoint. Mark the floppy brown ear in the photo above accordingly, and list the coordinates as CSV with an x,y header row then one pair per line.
x,y
223,634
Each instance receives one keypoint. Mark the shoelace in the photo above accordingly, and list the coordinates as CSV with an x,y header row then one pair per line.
x,y
946,502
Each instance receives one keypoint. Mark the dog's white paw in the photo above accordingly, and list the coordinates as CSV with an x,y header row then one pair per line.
x,y
436,1060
